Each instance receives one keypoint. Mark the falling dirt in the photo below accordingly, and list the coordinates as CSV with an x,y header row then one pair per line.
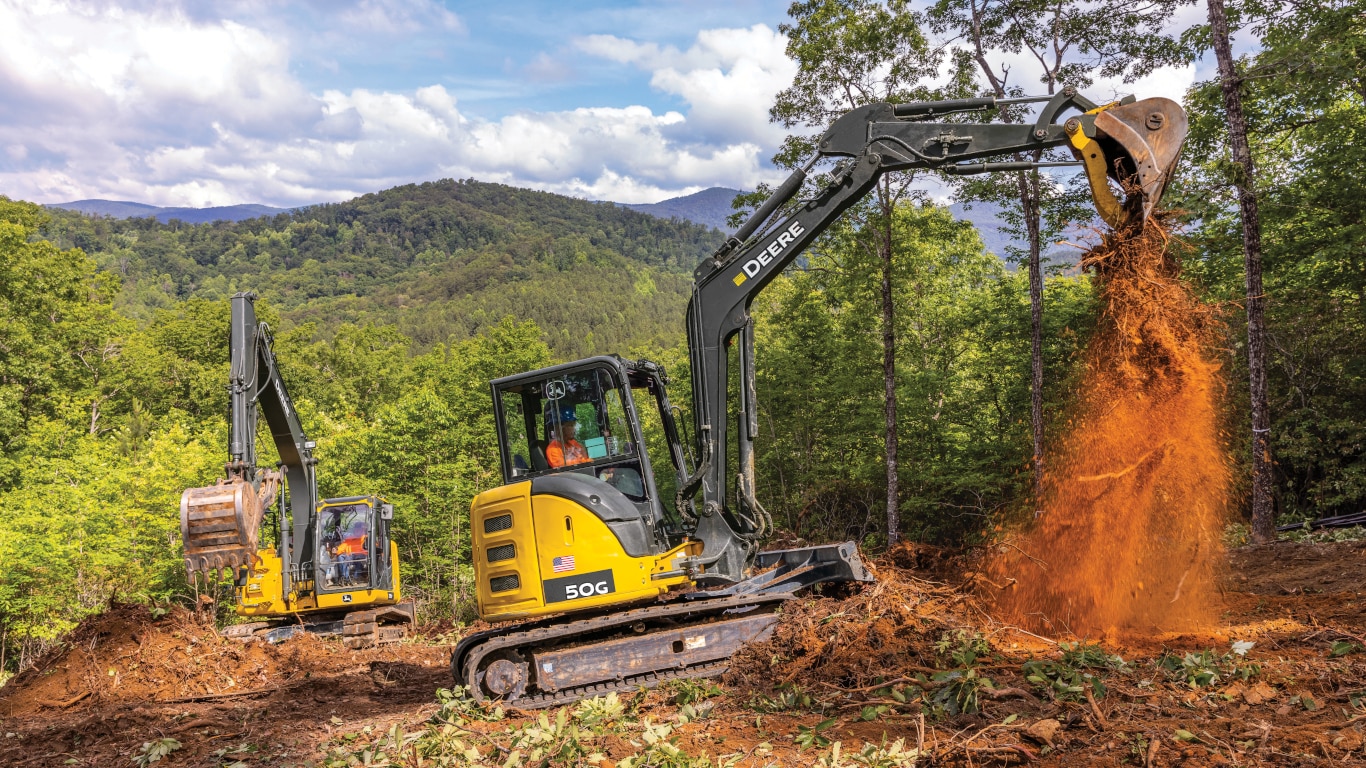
x,y
1136,490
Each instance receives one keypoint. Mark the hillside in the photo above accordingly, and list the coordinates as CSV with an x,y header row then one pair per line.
x,y
710,207
124,209
442,260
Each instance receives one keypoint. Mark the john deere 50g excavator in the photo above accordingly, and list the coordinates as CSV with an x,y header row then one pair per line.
x,y
580,526
334,569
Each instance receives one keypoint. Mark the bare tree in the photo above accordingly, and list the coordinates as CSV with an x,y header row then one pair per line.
x,y
850,53
1071,41
1245,180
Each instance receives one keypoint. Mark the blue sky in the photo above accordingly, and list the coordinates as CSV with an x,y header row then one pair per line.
x,y
174,102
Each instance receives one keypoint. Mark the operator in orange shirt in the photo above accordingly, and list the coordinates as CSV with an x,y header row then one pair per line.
x,y
563,450
352,552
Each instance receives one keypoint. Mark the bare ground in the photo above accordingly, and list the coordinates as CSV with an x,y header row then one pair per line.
x,y
125,678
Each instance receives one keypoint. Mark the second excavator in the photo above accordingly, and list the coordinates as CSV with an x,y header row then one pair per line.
x,y
620,583
334,568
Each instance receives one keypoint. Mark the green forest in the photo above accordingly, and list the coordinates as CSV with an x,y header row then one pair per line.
x,y
394,310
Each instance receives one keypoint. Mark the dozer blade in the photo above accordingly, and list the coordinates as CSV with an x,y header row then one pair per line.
x,y
1135,144
220,525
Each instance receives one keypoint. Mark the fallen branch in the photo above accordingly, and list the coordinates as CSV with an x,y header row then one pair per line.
x,y
890,683
65,704
996,694
1010,750
1095,709
216,696
1337,631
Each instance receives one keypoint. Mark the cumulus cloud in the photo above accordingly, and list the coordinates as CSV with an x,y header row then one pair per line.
x,y
159,105
728,77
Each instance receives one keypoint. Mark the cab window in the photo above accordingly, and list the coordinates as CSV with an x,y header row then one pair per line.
x,y
344,541
565,420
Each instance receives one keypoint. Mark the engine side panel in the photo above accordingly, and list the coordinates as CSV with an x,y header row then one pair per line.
x,y
541,554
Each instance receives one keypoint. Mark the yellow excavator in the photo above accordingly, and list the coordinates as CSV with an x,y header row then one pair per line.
x,y
615,584
334,569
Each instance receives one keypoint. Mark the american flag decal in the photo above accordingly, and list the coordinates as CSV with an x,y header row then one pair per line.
x,y
562,564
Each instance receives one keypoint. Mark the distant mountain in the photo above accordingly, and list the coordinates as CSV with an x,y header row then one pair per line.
x,y
1062,252
710,207
124,209
441,260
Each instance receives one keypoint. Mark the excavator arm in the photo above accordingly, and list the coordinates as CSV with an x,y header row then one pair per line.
x,y
1135,143
220,524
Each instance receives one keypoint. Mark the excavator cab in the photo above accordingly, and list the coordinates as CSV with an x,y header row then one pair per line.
x,y
353,545
579,521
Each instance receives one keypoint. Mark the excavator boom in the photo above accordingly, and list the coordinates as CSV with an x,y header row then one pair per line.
x,y
220,524
1131,144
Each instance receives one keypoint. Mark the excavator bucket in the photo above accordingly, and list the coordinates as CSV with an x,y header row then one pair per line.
x,y
220,525
1135,144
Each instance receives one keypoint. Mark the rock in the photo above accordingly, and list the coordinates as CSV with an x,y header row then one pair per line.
x,y
1044,730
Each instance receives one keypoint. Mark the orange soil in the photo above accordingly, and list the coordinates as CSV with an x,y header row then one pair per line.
x,y
312,694
1135,493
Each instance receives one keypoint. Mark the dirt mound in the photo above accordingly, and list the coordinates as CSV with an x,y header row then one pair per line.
x,y
887,629
128,655
125,677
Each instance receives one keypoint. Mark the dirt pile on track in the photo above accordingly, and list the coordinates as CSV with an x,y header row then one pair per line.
x,y
1136,491
887,629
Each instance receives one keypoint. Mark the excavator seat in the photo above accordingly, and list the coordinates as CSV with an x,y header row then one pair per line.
x,y
538,461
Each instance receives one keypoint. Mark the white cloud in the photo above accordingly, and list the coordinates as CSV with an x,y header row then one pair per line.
x,y
396,18
160,106
728,77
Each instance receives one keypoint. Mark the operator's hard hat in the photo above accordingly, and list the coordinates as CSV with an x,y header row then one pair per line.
x,y
565,413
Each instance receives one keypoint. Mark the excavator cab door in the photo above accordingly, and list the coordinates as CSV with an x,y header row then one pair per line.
x,y
353,545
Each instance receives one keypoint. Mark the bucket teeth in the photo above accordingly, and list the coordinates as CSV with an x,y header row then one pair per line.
x,y
220,526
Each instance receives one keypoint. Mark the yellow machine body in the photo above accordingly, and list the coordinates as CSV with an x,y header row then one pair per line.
x,y
540,554
263,596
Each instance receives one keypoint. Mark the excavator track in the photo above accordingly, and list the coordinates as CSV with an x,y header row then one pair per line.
x,y
358,629
620,651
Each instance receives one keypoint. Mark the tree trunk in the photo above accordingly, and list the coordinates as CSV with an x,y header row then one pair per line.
x,y
1029,204
889,384
1263,518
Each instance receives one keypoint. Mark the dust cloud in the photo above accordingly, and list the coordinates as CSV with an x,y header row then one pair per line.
x,y
1136,489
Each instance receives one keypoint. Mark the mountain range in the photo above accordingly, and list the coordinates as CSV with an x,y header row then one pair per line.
x,y
124,209
710,207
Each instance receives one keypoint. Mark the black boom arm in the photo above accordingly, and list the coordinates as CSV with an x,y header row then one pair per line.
x,y
255,383
869,141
